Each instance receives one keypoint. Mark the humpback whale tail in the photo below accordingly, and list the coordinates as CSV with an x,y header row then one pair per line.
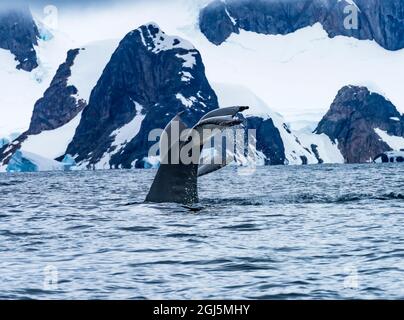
x,y
177,180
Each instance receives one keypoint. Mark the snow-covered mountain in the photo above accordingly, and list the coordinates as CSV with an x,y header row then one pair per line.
x,y
364,123
29,58
150,78
19,34
294,147
99,103
56,115
377,20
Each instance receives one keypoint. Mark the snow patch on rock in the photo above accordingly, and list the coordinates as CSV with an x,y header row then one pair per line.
x,y
121,137
156,40
187,102
394,142
125,134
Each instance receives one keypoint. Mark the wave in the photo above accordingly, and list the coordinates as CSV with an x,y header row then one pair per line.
x,y
302,199
11,183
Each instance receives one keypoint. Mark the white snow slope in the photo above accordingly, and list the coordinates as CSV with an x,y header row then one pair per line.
x,y
53,143
121,137
296,143
297,75
86,71
394,142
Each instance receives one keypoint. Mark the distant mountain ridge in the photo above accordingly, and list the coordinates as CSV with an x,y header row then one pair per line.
x,y
106,97
379,20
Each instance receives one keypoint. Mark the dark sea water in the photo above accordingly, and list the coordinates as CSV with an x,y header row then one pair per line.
x,y
281,233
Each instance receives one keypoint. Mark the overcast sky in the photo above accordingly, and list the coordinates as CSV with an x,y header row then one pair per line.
x,y
91,20
69,3
37,5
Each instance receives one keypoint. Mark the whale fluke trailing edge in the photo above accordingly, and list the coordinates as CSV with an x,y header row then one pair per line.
x,y
176,181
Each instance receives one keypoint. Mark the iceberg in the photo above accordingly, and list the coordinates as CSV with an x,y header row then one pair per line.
x,y
23,161
68,162
151,162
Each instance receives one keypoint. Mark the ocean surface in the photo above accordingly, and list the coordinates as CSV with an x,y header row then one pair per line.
x,y
306,232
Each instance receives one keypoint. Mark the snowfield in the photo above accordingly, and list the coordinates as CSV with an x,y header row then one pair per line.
x,y
20,91
301,73
52,144
89,65
297,75
230,95
87,69
292,78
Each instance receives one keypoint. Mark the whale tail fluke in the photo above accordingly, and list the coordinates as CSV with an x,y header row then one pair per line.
x,y
176,181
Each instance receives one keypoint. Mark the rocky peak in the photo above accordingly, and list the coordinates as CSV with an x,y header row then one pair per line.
x,y
155,40
352,119
216,23
151,77
19,34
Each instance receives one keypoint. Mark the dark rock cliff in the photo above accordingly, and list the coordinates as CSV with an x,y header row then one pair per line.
x,y
152,75
352,120
386,21
269,140
19,34
379,20
59,104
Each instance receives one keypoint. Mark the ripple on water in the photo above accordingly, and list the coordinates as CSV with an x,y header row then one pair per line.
x,y
283,233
